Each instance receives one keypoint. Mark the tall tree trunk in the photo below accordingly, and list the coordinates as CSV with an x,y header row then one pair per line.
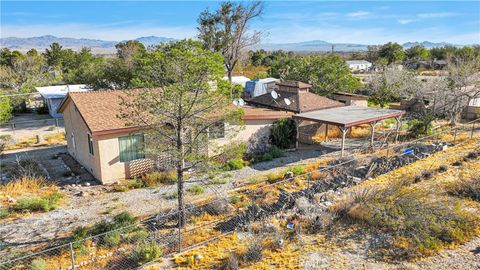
x,y
180,167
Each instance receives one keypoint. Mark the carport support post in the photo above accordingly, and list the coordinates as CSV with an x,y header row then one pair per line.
x,y
297,136
399,124
372,136
344,133
326,132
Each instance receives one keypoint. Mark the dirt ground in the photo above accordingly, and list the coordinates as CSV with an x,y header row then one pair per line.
x,y
31,124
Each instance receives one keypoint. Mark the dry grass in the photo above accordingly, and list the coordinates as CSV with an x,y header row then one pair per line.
x,y
52,139
26,186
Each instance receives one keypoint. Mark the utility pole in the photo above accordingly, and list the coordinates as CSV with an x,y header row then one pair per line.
x,y
333,48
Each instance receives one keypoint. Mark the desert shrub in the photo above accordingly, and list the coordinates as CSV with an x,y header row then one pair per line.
x,y
38,264
112,239
466,187
416,128
235,164
273,177
34,204
159,177
231,151
79,234
442,168
253,252
283,133
26,168
297,170
4,213
417,222
121,220
217,181
234,199
273,152
427,174
196,189
146,252
135,183
138,236
265,157
23,185
120,188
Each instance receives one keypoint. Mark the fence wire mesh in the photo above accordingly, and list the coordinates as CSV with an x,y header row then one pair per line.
x,y
137,245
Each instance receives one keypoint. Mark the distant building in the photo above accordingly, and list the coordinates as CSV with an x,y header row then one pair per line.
x,y
351,99
359,65
54,95
472,111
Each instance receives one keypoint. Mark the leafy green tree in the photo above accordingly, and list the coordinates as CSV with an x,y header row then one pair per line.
x,y
179,106
327,74
417,53
7,57
227,30
5,108
53,55
392,51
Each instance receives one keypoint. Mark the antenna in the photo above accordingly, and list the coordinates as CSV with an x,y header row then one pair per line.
x,y
239,102
287,101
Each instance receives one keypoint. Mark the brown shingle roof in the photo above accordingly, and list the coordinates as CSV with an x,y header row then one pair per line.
x,y
99,109
300,102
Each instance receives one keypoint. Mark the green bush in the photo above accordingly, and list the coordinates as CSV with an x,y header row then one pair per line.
x,y
112,239
416,128
35,204
79,234
4,213
38,264
196,189
159,177
217,181
266,157
138,236
135,183
121,220
273,177
146,252
297,170
235,164
275,152
234,199
235,150
283,133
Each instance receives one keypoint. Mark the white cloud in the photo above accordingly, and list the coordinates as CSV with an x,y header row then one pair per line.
x,y
406,21
436,15
113,31
358,14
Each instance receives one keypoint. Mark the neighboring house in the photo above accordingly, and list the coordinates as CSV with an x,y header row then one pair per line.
x,y
351,99
111,150
54,95
240,80
359,65
298,96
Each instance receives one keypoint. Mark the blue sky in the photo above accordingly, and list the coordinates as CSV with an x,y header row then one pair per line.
x,y
371,22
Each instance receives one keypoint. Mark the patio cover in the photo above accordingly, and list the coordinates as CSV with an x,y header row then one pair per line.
x,y
349,116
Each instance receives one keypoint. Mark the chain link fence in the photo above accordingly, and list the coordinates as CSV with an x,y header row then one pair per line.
x,y
138,245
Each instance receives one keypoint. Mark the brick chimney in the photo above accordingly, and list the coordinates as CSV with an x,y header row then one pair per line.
x,y
293,86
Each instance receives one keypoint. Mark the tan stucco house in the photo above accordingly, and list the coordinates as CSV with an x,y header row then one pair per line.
x,y
111,150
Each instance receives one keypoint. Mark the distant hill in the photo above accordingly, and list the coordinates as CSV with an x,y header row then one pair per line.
x,y
426,44
98,46
107,47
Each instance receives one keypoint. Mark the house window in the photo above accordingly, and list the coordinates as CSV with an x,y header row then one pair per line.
x,y
131,147
217,130
90,144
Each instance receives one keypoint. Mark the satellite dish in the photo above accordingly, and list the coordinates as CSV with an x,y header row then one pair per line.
x,y
241,102
287,101
274,94
235,102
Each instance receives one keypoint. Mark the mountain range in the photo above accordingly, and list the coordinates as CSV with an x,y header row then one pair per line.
x,y
104,46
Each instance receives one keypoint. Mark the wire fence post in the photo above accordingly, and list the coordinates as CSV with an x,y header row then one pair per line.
x,y
72,256
56,124
309,176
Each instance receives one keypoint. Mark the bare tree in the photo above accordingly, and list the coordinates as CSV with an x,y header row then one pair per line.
x,y
462,84
226,30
